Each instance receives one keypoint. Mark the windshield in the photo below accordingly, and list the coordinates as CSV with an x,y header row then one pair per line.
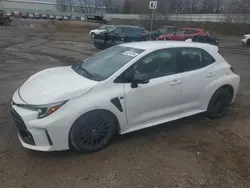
x,y
102,65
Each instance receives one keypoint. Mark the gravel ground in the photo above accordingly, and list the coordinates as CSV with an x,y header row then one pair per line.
x,y
192,152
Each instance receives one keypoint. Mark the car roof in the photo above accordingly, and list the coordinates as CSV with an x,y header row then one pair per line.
x,y
133,26
191,28
157,45
169,26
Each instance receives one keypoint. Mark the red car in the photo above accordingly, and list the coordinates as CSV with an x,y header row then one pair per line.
x,y
183,34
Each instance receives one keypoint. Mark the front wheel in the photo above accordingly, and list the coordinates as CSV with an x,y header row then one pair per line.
x,y
219,103
92,35
93,131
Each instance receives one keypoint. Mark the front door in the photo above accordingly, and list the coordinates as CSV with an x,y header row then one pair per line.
x,y
158,99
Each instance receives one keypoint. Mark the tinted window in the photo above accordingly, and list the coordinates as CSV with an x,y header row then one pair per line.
x,y
157,64
128,30
163,30
180,32
193,58
107,62
118,29
139,30
191,31
110,27
167,30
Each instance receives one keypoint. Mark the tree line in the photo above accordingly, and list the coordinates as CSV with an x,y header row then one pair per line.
x,y
164,6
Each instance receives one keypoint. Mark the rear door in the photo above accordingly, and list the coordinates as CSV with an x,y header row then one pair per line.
x,y
198,70
130,34
189,33
179,35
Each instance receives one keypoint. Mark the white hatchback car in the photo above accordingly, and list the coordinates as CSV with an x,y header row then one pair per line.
x,y
246,40
122,89
94,32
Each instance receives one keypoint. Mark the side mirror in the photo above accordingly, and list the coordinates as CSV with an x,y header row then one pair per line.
x,y
139,79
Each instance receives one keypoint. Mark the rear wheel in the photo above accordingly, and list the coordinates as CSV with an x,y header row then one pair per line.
x,y
248,42
219,103
93,131
98,46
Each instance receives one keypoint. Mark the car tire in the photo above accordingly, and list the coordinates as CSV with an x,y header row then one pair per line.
x,y
219,103
92,131
92,35
100,47
248,42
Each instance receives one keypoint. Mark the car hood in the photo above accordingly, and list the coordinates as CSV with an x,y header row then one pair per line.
x,y
54,85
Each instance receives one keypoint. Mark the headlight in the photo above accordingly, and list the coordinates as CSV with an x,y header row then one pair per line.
x,y
46,110
43,110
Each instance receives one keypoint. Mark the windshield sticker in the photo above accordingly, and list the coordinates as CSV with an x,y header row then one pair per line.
x,y
130,53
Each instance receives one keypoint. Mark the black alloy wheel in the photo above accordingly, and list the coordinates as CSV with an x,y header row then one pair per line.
x,y
219,103
93,131
248,42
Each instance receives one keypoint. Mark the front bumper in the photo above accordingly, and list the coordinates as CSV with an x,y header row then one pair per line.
x,y
46,134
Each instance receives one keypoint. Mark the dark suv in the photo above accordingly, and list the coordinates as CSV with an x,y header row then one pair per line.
x,y
120,34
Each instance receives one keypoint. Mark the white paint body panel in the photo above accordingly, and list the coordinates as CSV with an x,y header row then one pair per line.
x,y
161,100
54,85
246,37
96,31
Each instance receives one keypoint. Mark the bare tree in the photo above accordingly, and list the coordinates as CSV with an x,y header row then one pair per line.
x,y
61,5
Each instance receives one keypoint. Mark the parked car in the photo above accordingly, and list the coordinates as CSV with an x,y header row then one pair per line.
x,y
37,16
16,14
59,17
93,32
123,89
65,17
206,39
24,15
4,19
246,40
183,34
44,16
31,16
95,18
9,14
163,30
52,17
119,34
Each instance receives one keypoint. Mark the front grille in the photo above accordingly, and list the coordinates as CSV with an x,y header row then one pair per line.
x,y
22,129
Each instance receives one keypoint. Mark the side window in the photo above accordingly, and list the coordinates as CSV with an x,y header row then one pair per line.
x,y
191,31
163,30
157,64
207,58
193,58
180,32
128,30
119,30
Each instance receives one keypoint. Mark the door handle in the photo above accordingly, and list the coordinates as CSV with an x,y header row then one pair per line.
x,y
175,82
211,74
